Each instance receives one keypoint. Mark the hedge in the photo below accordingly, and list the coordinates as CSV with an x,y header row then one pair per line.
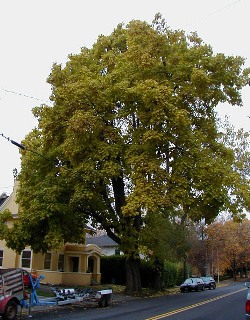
x,y
113,271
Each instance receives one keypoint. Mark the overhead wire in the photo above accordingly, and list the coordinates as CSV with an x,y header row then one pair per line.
x,y
13,142
23,147
214,12
223,8
48,101
24,95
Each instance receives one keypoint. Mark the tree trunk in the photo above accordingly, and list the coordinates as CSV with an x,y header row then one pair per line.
x,y
234,270
133,275
159,271
158,280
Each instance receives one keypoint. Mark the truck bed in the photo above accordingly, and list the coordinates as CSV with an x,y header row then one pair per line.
x,y
11,283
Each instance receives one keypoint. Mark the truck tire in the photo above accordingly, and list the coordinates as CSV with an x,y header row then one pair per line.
x,y
102,302
107,300
10,311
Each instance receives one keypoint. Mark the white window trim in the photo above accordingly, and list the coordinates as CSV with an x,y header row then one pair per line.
x,y
31,256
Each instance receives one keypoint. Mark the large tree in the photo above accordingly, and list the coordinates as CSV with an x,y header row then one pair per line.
x,y
132,133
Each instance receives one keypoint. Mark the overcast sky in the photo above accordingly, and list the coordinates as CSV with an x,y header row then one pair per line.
x,y
37,33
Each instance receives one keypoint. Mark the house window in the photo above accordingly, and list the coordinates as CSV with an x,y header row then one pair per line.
x,y
90,264
74,264
117,252
26,259
1,258
47,261
60,266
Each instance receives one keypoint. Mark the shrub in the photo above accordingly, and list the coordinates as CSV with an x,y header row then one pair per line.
x,y
170,274
113,270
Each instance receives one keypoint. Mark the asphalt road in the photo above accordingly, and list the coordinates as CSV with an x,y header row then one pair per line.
x,y
223,303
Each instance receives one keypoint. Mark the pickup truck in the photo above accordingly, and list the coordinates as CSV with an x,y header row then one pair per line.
x,y
12,292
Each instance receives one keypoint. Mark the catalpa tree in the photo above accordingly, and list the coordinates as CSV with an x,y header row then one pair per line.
x,y
132,134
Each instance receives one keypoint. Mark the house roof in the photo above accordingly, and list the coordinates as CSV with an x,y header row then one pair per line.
x,y
3,197
101,241
10,201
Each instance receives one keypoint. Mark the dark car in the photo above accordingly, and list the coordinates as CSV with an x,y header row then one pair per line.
x,y
192,284
209,282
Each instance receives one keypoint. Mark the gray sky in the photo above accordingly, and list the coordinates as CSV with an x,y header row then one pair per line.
x,y
37,33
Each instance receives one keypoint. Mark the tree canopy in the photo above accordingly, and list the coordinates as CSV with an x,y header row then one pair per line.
x,y
224,247
132,133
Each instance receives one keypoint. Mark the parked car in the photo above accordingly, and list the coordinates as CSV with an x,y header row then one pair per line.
x,y
209,282
248,302
192,284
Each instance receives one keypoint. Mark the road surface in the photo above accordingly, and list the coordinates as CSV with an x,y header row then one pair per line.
x,y
223,303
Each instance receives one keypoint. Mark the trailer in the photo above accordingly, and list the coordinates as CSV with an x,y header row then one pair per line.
x,y
13,294
89,295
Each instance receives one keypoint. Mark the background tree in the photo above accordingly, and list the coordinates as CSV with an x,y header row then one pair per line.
x,y
162,239
228,246
215,246
236,244
197,253
132,131
239,142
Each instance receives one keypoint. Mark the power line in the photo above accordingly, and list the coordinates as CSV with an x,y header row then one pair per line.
x,y
24,95
13,142
21,146
223,8
214,12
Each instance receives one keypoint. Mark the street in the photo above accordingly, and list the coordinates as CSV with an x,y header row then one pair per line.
x,y
223,303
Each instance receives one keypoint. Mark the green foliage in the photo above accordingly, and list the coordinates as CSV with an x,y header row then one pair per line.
x,y
180,272
170,274
5,216
132,135
170,242
239,142
167,274
113,272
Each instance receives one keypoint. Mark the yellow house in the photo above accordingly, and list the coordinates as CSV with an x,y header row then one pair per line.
x,y
73,264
